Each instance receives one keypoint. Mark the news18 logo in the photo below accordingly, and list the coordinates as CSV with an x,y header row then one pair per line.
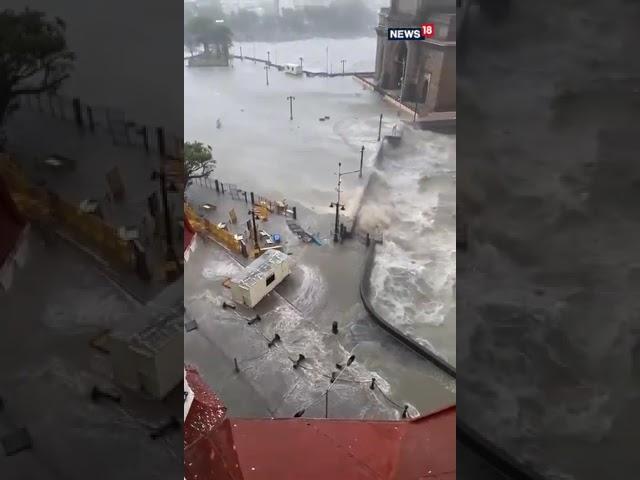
x,y
426,30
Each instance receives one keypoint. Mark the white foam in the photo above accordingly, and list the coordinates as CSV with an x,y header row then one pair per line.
x,y
412,202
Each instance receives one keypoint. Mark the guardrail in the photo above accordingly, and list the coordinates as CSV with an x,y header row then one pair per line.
x,y
111,121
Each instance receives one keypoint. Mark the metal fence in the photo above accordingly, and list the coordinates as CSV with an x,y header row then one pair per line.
x,y
236,193
106,120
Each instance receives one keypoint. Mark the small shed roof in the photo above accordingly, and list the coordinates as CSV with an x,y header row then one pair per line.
x,y
260,268
157,334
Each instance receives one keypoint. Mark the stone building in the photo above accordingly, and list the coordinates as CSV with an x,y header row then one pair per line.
x,y
428,65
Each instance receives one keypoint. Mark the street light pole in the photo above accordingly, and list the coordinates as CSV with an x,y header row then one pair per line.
x,y
170,254
253,220
266,70
361,160
342,62
404,77
327,59
291,99
339,206
268,57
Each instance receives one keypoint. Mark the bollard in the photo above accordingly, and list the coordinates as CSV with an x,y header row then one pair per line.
x,y
226,305
326,404
217,186
276,339
404,412
222,187
373,384
334,327
254,320
297,363
235,364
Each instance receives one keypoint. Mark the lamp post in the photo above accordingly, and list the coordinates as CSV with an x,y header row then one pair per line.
x,y
170,254
327,59
252,212
268,57
266,70
339,206
342,62
404,76
291,99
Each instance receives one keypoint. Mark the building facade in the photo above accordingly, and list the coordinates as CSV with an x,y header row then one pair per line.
x,y
422,74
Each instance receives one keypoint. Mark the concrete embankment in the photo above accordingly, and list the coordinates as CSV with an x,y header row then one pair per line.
x,y
365,295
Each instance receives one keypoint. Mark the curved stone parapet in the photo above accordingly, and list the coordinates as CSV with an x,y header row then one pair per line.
x,y
365,295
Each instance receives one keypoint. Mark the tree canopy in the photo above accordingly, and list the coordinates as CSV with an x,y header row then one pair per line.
x,y
204,30
198,160
34,57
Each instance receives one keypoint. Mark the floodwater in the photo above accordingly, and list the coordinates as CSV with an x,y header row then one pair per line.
x,y
259,148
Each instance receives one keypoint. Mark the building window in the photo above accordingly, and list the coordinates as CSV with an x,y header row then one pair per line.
x,y
270,279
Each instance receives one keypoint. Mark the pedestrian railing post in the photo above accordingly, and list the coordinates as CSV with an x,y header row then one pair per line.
x,y
77,111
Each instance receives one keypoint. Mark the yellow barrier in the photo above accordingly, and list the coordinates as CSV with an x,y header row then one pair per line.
x,y
204,226
39,204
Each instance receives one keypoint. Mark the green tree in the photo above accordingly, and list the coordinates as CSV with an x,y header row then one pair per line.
x,y
210,34
198,161
34,57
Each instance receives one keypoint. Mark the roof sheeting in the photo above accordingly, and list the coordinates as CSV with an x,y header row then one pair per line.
x,y
260,268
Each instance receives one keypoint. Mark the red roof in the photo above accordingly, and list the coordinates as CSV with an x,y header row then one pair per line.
x,y
319,449
11,223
